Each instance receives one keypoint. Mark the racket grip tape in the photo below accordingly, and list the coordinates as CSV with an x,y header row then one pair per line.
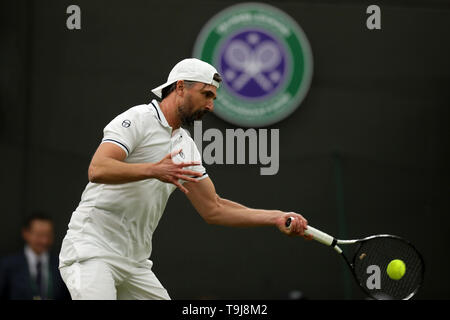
x,y
317,235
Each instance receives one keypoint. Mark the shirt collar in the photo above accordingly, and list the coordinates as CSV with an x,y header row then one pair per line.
x,y
159,113
32,257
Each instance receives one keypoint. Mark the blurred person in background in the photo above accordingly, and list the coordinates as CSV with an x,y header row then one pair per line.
x,y
33,273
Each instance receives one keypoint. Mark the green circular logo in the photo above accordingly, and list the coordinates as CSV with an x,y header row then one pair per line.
x,y
265,61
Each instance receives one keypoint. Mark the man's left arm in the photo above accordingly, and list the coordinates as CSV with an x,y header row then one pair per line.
x,y
216,210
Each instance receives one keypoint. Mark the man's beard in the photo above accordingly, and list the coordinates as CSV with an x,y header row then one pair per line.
x,y
187,117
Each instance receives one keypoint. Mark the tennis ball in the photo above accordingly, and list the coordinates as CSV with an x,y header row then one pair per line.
x,y
396,269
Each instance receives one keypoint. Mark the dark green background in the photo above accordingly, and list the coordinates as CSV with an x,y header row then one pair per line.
x,y
379,102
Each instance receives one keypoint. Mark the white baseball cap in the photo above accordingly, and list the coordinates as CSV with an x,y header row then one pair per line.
x,y
192,70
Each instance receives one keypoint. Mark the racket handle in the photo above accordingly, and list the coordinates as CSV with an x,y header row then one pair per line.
x,y
317,235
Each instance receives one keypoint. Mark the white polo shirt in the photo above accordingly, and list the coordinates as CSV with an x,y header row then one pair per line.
x,y
119,220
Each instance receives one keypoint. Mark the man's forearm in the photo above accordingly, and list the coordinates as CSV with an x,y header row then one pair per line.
x,y
112,171
230,213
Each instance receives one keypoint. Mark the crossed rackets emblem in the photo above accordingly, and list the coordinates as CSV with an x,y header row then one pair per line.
x,y
253,62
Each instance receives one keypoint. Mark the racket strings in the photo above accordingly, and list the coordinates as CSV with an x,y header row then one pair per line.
x,y
370,266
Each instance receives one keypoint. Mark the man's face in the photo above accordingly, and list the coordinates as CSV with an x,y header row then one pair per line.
x,y
39,236
198,100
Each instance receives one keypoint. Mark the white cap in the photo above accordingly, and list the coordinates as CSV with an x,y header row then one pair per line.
x,y
192,70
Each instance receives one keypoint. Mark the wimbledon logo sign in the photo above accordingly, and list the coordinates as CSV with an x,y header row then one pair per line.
x,y
265,61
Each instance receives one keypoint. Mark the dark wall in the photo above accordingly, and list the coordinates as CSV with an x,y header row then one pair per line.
x,y
365,153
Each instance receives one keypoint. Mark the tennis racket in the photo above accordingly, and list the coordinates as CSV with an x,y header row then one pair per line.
x,y
370,260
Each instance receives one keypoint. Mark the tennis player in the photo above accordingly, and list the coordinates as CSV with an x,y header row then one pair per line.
x,y
144,156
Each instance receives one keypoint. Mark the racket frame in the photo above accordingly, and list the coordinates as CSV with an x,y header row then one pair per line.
x,y
333,242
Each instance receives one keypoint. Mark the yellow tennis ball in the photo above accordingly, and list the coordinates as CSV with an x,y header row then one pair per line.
x,y
396,269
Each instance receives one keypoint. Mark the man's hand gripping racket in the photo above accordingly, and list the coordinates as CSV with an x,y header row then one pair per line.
x,y
386,267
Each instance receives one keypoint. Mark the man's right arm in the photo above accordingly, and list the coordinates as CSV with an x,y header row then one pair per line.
x,y
219,211
107,166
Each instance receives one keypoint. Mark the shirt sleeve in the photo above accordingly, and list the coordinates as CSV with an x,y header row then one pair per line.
x,y
125,131
189,153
